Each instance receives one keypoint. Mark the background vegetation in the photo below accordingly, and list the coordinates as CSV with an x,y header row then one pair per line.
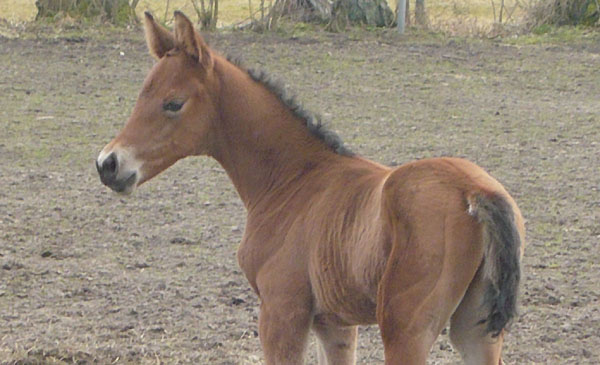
x,y
464,17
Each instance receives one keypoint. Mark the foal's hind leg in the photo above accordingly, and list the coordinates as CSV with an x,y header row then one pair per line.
x,y
337,345
427,275
411,319
470,338
416,305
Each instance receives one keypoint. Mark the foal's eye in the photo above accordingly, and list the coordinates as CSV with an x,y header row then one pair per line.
x,y
172,106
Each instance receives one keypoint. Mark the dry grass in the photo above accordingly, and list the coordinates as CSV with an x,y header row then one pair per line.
x,y
231,11
16,11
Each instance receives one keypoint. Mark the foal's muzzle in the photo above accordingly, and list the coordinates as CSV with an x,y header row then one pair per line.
x,y
108,169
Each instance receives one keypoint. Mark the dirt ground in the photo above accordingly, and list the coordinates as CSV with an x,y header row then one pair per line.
x,y
87,276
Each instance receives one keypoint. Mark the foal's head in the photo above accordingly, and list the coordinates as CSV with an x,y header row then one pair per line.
x,y
174,112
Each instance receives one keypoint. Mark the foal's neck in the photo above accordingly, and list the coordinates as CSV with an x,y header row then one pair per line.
x,y
261,144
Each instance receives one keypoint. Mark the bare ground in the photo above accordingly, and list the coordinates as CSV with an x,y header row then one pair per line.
x,y
90,277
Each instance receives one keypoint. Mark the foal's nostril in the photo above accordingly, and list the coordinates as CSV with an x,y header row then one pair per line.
x,y
110,164
108,168
115,175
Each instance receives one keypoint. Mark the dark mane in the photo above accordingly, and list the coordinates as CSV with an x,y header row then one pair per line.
x,y
312,121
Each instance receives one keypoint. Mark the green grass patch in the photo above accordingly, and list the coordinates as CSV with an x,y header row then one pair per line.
x,y
549,34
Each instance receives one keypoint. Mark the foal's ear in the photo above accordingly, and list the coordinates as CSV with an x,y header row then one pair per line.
x,y
159,40
189,41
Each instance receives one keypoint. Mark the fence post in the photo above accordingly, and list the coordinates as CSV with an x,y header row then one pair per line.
x,y
401,15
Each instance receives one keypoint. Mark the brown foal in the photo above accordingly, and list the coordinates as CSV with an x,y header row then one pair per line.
x,y
332,240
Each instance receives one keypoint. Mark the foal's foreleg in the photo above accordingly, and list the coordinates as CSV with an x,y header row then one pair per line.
x,y
337,345
283,328
285,315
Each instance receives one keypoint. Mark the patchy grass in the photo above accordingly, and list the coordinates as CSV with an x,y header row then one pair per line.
x,y
547,34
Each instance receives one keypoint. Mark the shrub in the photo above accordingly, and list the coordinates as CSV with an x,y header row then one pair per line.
x,y
563,12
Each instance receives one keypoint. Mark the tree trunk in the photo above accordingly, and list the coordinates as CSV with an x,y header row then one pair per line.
x,y
114,11
208,16
374,13
420,15
339,13
305,10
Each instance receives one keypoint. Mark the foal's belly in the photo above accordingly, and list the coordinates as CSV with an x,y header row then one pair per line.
x,y
341,303
347,314
344,284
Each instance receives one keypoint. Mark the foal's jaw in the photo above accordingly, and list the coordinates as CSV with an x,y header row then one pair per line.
x,y
119,170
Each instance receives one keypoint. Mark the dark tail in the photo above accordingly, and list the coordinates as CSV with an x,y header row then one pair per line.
x,y
501,265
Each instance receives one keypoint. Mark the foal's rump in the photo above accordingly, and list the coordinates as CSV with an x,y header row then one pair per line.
x,y
451,219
